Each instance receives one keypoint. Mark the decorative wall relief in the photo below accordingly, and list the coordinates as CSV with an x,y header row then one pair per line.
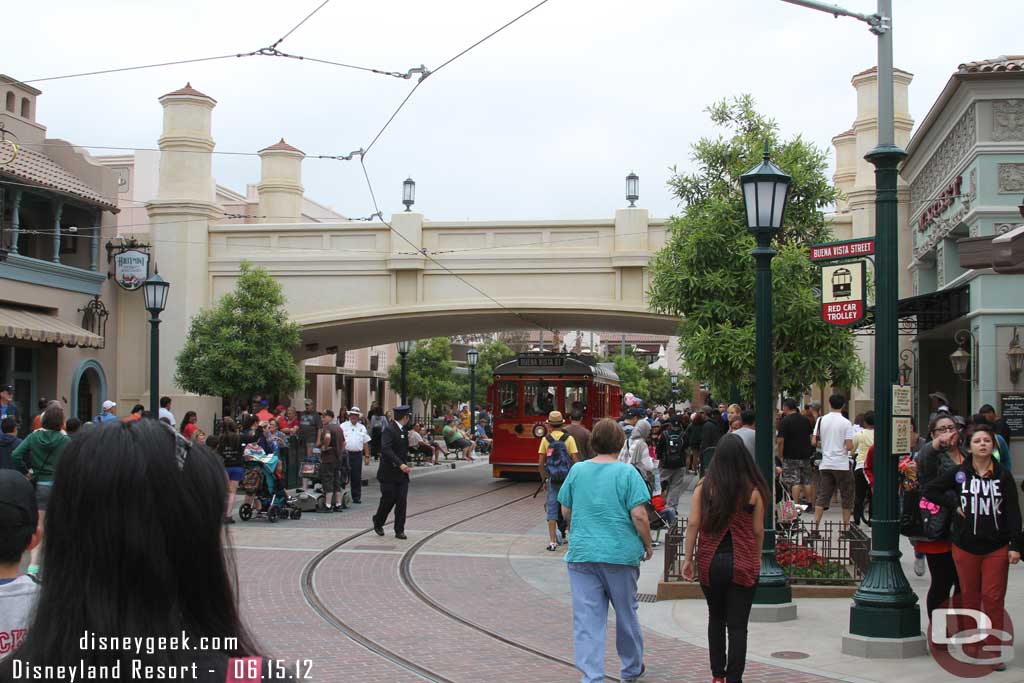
x,y
1003,228
1007,120
940,265
946,158
1011,178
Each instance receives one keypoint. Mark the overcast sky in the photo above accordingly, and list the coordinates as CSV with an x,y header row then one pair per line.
x,y
542,121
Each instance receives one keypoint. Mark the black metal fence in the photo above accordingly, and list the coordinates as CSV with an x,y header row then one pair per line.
x,y
826,556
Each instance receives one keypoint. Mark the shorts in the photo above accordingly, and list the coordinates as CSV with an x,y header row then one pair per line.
x,y
459,444
829,481
331,477
235,473
551,504
796,473
43,492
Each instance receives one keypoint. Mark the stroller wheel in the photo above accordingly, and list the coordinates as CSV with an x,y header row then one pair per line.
x,y
245,512
296,514
273,513
321,504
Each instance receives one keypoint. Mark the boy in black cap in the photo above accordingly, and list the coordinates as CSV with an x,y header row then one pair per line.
x,y
19,533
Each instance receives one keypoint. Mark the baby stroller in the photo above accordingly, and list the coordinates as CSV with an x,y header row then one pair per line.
x,y
263,484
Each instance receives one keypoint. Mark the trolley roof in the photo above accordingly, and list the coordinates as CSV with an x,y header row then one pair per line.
x,y
566,364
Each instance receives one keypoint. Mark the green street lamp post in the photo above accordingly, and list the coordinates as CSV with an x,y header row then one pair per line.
x,y
765,189
403,350
154,291
471,357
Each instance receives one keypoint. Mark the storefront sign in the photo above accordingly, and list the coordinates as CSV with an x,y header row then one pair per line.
x,y
842,293
1011,408
833,251
902,400
131,268
941,204
901,436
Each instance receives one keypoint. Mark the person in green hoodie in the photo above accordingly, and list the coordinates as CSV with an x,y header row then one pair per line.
x,y
39,453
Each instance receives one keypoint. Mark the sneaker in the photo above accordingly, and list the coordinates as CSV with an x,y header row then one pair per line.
x,y
338,508
718,679
643,670
919,565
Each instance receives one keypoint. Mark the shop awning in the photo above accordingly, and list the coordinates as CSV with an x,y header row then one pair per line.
x,y
39,327
921,313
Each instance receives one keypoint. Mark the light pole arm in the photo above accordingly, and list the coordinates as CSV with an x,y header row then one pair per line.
x,y
877,22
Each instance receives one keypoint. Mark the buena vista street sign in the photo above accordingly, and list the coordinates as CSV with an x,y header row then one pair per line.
x,y
842,293
834,251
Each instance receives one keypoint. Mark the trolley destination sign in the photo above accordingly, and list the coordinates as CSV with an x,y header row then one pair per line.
x,y
834,251
842,293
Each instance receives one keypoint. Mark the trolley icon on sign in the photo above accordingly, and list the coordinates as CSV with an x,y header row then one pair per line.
x,y
842,284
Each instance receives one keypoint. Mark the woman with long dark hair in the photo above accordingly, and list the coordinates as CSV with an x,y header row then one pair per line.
x,y
40,453
727,527
134,550
189,424
935,459
230,447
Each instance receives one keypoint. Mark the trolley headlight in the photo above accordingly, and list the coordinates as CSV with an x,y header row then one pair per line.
x,y
540,430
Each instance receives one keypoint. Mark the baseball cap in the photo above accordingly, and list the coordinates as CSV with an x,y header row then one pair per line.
x,y
9,388
108,404
18,505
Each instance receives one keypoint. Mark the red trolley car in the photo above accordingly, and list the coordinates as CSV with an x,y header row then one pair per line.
x,y
526,389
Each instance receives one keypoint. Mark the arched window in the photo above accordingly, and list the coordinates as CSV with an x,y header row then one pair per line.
x,y
10,102
26,108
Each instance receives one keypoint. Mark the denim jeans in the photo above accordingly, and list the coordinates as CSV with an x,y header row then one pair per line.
x,y
594,585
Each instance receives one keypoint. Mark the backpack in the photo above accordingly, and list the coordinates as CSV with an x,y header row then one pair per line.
x,y
558,459
673,458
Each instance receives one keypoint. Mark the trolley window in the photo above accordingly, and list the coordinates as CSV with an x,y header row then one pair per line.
x,y
539,398
508,399
576,399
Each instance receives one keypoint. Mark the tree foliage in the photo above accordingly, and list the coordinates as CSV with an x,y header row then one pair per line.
x,y
653,385
428,372
705,273
492,353
243,345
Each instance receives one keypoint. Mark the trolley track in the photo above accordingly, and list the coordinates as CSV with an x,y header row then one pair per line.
x,y
407,579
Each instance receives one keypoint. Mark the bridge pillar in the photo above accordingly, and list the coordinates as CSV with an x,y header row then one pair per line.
x,y
406,262
280,187
180,217
631,255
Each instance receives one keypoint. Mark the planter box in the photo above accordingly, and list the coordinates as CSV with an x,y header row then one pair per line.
x,y
682,590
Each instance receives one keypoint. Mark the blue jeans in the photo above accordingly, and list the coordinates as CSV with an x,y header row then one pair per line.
x,y
594,585
551,504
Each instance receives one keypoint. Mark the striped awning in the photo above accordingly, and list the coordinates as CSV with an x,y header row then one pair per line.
x,y
39,327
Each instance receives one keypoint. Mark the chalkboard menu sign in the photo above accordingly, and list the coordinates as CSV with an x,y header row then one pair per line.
x,y
1012,410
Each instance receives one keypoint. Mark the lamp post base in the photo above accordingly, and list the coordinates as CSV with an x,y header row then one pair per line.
x,y
884,648
773,613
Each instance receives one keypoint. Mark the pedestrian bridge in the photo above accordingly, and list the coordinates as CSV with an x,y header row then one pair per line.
x,y
356,284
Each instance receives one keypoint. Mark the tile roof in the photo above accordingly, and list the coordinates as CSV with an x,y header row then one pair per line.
x,y
283,146
189,90
998,65
35,168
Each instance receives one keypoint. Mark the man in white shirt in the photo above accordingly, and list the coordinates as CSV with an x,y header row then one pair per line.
x,y
834,435
165,411
357,447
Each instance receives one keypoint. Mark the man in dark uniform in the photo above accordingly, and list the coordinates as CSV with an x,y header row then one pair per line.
x,y
393,473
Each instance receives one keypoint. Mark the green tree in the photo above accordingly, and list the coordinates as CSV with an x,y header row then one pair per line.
x,y
632,377
705,273
428,372
243,345
492,354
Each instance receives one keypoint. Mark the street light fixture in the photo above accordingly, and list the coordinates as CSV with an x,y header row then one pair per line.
x,y
409,193
765,188
632,188
404,347
1016,357
906,370
471,358
154,291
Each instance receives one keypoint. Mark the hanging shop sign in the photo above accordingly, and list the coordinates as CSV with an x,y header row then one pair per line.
x,y
842,293
834,251
131,268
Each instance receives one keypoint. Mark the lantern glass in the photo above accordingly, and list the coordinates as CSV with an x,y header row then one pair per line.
x,y
154,290
905,371
765,190
1016,357
404,346
632,188
408,192
471,357
960,360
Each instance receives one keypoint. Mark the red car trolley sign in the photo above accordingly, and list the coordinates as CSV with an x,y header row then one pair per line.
x,y
842,293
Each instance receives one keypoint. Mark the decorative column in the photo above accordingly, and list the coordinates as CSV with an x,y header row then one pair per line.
x,y
180,217
280,188
15,220
94,252
58,211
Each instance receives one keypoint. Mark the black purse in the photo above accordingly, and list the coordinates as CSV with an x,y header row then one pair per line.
x,y
911,523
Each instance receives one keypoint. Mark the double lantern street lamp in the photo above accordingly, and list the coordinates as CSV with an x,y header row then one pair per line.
x,y
471,358
765,189
404,347
154,291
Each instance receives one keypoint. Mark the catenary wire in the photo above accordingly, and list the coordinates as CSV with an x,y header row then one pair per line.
x,y
293,29
136,68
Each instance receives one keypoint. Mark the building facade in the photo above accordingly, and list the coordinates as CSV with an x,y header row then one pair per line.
x,y
965,169
57,305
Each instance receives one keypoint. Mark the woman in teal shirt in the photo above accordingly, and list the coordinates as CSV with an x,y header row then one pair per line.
x,y
611,534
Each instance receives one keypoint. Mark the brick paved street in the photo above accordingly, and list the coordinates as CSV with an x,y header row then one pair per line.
x,y
470,570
